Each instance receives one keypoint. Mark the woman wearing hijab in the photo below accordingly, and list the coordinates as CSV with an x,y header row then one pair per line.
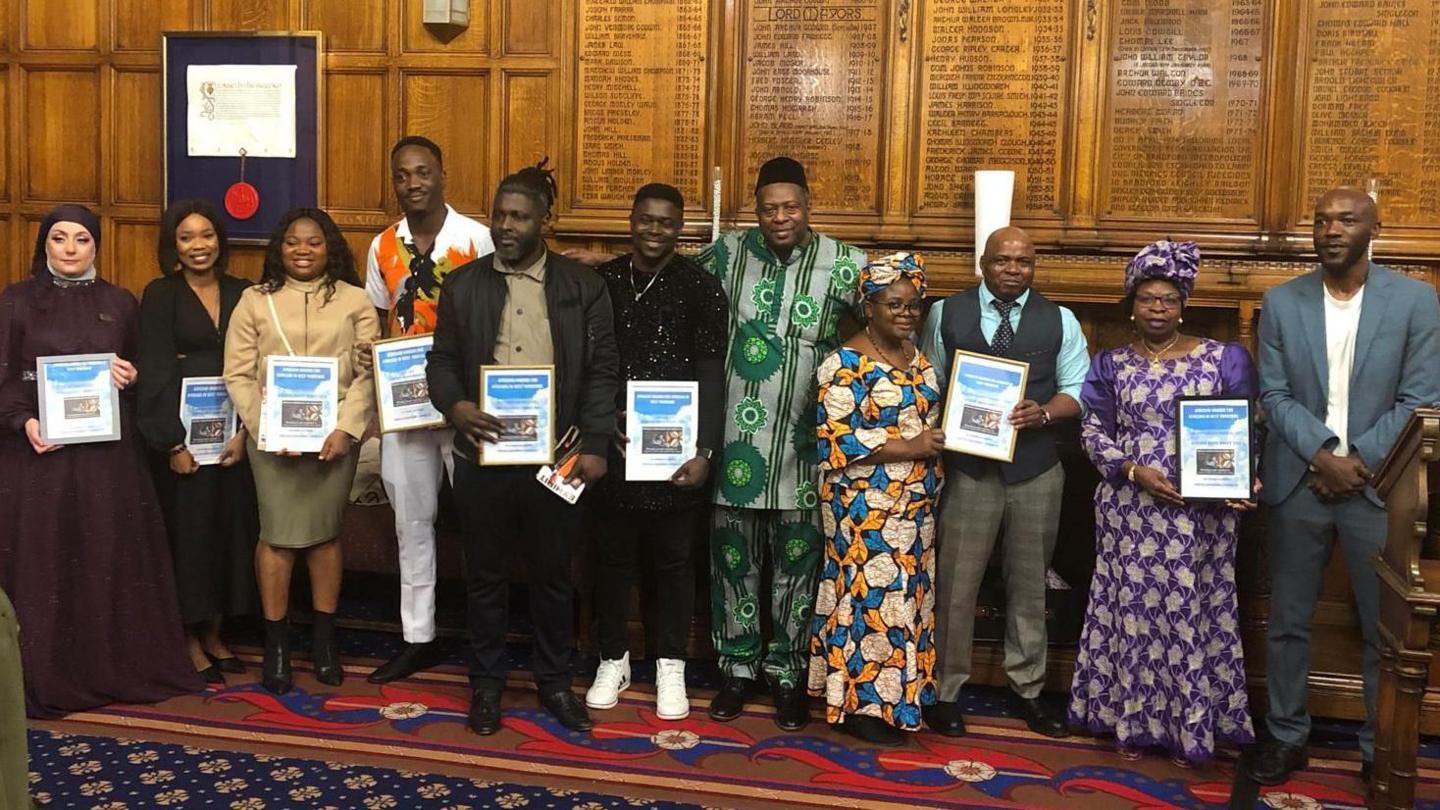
x,y
209,510
872,652
1160,663
83,554
309,302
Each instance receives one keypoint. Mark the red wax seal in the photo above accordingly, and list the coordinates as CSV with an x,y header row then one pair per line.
x,y
242,200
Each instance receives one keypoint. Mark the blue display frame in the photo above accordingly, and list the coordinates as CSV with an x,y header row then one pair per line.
x,y
283,183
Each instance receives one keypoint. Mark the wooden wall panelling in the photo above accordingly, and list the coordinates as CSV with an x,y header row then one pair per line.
x,y
640,82
1181,111
68,25
1086,68
527,115
350,26
812,86
9,142
994,92
449,107
248,15
131,264
136,25
62,119
133,127
529,28
475,39
1370,108
356,152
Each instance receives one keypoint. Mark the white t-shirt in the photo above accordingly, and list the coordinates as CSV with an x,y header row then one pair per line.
x,y
1342,321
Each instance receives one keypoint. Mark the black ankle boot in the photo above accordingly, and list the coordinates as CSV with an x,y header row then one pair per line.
x,y
275,670
323,651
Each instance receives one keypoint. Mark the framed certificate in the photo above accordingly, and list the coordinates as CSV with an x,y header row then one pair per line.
x,y
523,399
401,392
983,391
1215,448
208,417
302,403
79,403
662,420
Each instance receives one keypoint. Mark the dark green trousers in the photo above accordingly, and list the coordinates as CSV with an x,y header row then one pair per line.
x,y
14,761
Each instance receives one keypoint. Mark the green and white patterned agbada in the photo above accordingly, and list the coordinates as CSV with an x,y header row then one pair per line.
x,y
782,324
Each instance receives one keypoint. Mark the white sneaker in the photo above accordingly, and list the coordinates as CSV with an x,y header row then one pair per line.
x,y
612,678
671,702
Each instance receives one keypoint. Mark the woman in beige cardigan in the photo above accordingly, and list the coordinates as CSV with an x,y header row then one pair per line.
x,y
322,308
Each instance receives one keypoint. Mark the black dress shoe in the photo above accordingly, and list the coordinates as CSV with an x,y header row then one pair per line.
x,y
275,673
211,674
568,710
324,652
944,718
872,730
1367,771
1040,718
229,664
792,708
484,717
410,660
1274,762
730,701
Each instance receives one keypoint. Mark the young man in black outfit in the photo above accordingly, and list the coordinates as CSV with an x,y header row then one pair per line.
x,y
523,305
670,324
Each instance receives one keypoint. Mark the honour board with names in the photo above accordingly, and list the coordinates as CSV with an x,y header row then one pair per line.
x,y
1183,140
1372,107
641,99
993,96
813,73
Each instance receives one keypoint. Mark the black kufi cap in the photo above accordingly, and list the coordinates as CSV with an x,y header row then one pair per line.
x,y
781,170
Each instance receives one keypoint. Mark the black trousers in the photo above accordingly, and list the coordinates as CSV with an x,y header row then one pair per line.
x,y
502,509
666,539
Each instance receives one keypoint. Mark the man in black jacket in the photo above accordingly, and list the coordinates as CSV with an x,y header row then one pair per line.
x,y
523,305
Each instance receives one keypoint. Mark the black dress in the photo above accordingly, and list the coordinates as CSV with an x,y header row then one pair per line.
x,y
211,514
82,542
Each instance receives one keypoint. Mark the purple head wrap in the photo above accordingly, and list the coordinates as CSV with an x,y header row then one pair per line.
x,y
1175,262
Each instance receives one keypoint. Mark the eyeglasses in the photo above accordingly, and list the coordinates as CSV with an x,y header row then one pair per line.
x,y
897,307
1168,300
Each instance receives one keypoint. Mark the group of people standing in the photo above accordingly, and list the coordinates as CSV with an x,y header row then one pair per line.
x,y
821,392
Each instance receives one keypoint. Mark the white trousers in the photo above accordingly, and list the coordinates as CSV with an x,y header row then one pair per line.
x,y
411,464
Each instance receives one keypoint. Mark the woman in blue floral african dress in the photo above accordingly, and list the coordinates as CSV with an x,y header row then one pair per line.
x,y
1160,662
871,650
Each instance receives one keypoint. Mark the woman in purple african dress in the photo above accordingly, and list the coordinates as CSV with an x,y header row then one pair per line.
x,y
1160,663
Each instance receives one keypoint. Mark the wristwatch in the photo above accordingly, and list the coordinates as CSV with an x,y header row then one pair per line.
x,y
705,453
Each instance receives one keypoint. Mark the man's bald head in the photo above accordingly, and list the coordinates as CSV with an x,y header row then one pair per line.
x,y
1346,221
1008,263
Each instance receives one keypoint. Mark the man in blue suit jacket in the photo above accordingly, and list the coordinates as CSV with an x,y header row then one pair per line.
x,y
1347,353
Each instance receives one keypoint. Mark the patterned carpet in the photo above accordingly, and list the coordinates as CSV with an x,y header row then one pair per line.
x,y
405,745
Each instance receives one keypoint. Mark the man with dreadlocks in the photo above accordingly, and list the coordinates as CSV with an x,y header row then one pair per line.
x,y
523,305
404,270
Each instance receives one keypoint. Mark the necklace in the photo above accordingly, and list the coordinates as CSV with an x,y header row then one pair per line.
x,y
1154,353
885,355
653,279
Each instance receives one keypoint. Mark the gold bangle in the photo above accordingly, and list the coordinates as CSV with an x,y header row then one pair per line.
x,y
1130,474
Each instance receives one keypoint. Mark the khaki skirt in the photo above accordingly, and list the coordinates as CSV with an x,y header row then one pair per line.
x,y
302,499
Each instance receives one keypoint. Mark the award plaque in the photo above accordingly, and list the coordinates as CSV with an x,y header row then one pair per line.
x,y
302,403
983,391
208,417
402,394
78,400
662,420
1214,448
523,399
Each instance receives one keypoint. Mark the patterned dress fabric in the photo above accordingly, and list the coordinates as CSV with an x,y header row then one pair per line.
x,y
872,645
1160,662
783,316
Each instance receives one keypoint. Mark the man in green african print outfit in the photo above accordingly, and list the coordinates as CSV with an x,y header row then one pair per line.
x,y
788,288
